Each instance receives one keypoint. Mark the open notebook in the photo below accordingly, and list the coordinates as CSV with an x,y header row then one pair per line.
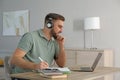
x,y
55,71
90,69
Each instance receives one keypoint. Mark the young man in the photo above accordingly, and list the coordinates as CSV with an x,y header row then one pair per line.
x,y
45,43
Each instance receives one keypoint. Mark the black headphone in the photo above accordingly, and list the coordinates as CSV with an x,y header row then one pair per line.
x,y
50,23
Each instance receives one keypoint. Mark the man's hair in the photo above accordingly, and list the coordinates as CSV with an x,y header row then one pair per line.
x,y
54,16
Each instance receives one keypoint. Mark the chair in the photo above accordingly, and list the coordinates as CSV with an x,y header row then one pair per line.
x,y
7,67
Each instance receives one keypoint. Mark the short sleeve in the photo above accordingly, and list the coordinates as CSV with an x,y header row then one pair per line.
x,y
25,42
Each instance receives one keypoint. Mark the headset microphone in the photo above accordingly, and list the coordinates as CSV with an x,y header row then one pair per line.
x,y
50,23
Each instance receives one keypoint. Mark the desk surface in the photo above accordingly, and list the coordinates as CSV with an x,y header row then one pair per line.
x,y
99,72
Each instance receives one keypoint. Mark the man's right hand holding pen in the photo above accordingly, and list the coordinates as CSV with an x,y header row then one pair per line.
x,y
42,64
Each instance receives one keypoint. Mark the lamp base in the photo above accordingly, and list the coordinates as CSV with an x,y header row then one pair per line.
x,y
93,48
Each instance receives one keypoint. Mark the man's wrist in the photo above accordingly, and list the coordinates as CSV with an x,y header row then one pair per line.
x,y
62,48
35,67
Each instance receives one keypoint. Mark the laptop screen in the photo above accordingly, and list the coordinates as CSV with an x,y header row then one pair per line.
x,y
96,60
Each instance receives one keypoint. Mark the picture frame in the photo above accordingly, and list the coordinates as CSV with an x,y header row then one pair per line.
x,y
15,23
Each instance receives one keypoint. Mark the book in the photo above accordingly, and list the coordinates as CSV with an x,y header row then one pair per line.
x,y
55,76
52,73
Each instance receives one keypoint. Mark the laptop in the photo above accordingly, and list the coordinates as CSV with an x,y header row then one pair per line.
x,y
90,69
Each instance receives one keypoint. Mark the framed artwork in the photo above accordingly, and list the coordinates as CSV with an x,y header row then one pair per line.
x,y
15,23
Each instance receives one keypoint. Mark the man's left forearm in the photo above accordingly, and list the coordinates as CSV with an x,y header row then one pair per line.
x,y
61,60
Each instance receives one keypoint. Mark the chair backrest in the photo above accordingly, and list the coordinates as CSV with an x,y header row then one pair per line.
x,y
7,67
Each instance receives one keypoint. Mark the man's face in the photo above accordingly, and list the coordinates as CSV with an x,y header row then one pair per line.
x,y
58,27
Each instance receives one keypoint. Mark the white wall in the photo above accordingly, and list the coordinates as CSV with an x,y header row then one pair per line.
x,y
74,12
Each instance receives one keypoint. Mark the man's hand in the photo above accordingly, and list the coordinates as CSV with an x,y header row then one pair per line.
x,y
42,65
60,40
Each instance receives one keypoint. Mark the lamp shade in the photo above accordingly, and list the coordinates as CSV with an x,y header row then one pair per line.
x,y
91,23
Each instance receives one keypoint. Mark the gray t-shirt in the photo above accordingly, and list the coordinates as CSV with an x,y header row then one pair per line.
x,y
36,45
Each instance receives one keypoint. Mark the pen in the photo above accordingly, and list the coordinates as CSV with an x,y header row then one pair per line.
x,y
40,59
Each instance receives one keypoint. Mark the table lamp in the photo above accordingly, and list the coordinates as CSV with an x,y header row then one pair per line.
x,y
91,24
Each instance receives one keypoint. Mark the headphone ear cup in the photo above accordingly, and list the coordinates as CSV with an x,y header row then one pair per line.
x,y
49,24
